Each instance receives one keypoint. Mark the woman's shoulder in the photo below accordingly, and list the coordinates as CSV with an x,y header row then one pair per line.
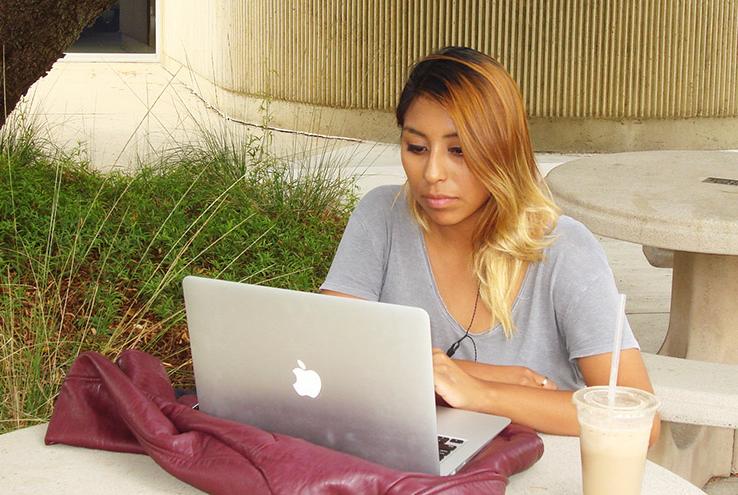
x,y
569,230
572,262
573,241
381,202
383,195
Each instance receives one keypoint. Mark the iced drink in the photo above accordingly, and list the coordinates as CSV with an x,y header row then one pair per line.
x,y
614,440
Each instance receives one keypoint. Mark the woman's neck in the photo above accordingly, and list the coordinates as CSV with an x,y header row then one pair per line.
x,y
458,238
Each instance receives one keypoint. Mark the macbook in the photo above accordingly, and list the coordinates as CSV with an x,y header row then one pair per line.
x,y
351,375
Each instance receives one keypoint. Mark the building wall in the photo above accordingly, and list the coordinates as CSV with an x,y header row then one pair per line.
x,y
598,75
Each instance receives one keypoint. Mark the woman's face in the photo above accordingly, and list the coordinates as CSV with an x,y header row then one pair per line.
x,y
439,179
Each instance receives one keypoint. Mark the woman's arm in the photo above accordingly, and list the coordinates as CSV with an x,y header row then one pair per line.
x,y
514,375
547,411
338,294
631,373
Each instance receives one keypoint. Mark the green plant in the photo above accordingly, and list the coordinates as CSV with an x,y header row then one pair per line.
x,y
92,261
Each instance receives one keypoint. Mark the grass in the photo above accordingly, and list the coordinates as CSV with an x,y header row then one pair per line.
x,y
92,261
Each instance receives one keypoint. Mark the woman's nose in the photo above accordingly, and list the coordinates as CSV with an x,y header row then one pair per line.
x,y
435,167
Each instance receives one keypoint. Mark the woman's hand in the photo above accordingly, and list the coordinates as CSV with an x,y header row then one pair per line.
x,y
457,387
520,375
459,384
514,375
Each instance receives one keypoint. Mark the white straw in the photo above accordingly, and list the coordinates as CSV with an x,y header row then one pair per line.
x,y
615,359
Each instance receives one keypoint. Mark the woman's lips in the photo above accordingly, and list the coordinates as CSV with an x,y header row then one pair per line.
x,y
438,201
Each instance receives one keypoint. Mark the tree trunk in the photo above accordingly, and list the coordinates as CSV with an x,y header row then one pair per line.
x,y
34,35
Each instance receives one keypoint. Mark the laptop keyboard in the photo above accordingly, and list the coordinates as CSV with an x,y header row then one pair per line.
x,y
446,445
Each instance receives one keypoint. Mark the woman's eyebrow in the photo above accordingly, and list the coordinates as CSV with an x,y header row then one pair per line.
x,y
412,130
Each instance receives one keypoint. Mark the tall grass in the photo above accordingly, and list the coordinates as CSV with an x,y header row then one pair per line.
x,y
92,261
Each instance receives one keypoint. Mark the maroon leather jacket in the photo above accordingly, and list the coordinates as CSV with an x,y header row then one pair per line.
x,y
129,406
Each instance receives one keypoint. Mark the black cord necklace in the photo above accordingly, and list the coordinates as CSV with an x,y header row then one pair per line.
x,y
452,349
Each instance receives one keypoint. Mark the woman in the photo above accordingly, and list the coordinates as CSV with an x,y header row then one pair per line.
x,y
522,298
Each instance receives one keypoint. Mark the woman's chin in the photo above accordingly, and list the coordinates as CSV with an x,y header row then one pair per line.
x,y
443,219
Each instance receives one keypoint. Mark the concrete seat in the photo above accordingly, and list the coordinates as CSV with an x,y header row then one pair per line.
x,y
659,257
695,392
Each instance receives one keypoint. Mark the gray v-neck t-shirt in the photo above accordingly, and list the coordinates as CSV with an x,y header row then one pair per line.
x,y
566,308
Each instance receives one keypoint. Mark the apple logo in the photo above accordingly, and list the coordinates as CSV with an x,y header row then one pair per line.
x,y
307,381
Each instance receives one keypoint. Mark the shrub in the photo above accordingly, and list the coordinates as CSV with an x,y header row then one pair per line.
x,y
92,261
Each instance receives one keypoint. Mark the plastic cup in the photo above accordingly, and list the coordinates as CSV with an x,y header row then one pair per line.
x,y
614,439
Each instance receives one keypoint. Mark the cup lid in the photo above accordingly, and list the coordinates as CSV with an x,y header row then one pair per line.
x,y
627,399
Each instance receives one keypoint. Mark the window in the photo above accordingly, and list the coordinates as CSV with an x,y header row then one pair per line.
x,y
128,27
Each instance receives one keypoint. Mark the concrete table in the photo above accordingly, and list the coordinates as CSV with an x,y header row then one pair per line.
x,y
685,201
559,472
27,466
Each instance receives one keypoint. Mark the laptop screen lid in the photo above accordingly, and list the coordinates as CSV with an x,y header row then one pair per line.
x,y
364,369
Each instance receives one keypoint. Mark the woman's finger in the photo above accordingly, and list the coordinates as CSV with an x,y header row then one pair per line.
x,y
546,383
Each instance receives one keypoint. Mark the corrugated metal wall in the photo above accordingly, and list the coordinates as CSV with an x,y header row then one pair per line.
x,y
572,58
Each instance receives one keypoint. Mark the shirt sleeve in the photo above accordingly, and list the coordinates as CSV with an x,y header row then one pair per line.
x,y
359,264
587,300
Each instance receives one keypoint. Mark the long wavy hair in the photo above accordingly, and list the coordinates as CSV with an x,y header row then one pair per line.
x,y
486,106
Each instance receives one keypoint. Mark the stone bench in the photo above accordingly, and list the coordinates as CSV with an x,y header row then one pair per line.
x,y
700,419
659,257
695,392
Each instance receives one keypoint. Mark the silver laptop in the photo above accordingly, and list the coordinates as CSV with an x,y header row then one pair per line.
x,y
355,376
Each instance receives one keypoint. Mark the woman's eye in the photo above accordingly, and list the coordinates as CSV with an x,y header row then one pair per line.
x,y
415,148
456,151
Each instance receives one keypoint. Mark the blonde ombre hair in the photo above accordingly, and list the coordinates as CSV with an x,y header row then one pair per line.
x,y
485,105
